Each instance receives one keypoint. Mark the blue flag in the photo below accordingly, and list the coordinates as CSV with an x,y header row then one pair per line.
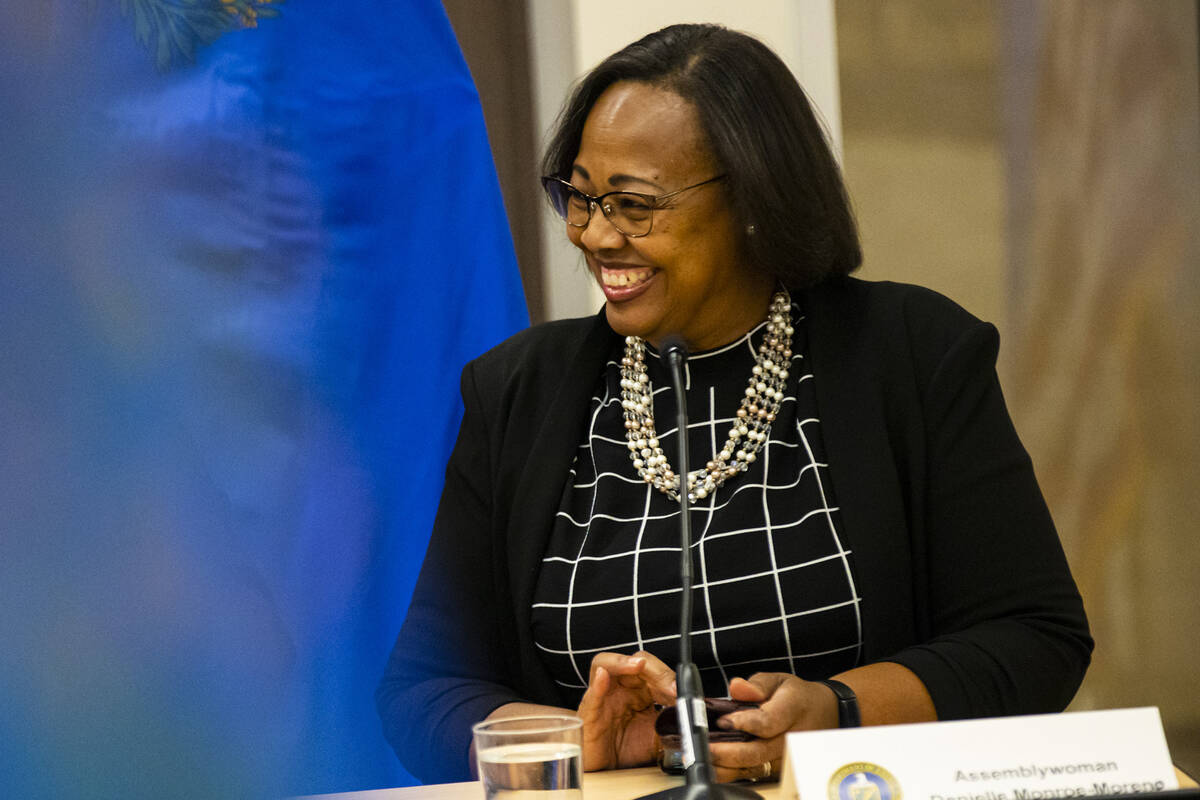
x,y
247,247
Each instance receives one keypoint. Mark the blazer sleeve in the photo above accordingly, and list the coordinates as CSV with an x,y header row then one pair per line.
x,y
446,670
1008,634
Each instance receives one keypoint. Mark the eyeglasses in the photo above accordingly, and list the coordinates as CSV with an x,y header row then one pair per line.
x,y
631,213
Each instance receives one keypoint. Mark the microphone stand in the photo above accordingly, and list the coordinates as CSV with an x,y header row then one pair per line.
x,y
700,782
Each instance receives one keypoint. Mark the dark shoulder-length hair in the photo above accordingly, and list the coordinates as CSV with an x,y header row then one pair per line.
x,y
781,176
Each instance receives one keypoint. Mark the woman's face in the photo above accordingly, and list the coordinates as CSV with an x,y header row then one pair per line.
x,y
688,276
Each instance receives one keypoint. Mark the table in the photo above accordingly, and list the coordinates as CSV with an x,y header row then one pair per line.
x,y
619,784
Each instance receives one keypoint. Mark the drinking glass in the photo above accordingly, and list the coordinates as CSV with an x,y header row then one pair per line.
x,y
530,758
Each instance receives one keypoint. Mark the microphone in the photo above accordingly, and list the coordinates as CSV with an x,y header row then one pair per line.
x,y
700,782
675,351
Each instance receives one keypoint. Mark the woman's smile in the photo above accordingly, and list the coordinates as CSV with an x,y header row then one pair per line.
x,y
624,277
621,283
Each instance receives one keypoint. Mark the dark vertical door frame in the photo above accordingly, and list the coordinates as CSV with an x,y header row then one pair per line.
x,y
493,35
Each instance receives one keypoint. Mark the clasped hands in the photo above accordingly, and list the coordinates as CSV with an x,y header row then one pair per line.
x,y
619,709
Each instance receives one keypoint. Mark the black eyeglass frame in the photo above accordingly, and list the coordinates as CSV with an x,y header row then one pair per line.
x,y
593,201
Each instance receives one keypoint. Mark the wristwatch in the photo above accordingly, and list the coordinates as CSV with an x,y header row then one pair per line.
x,y
847,700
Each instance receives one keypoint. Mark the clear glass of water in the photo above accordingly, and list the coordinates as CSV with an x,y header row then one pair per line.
x,y
531,758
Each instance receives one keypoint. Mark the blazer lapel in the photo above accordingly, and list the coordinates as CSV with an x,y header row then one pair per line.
x,y
540,488
850,374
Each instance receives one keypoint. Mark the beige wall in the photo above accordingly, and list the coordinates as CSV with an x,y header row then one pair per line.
x,y
923,152
1105,374
1040,163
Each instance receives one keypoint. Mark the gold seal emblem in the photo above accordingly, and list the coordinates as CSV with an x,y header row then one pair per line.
x,y
863,781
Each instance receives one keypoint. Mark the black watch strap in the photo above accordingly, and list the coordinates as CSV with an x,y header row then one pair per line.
x,y
847,700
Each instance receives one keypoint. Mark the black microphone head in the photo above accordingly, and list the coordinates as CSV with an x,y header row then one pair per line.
x,y
673,346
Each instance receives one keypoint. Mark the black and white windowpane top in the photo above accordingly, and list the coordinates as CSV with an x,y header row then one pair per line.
x,y
774,581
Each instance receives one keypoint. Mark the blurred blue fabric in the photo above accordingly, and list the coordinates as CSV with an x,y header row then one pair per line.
x,y
235,298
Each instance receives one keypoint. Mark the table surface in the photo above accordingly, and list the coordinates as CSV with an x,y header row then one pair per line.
x,y
620,784
617,784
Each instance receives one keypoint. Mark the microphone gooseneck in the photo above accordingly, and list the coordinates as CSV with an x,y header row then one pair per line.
x,y
700,782
675,353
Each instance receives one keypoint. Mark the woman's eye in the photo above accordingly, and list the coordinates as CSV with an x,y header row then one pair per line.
x,y
632,206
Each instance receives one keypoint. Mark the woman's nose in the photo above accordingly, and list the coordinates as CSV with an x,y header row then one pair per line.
x,y
600,233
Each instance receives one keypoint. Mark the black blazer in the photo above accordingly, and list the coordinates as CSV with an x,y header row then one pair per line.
x,y
961,573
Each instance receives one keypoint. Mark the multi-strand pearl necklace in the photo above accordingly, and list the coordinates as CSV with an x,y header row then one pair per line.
x,y
750,428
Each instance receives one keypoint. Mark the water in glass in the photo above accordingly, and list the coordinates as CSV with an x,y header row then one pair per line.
x,y
532,771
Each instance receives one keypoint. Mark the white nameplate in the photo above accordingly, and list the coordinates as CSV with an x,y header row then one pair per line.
x,y
1036,757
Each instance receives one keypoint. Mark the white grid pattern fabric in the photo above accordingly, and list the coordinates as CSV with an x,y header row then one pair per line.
x,y
774,586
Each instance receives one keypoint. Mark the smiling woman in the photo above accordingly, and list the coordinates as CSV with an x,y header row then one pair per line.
x,y
690,276
867,513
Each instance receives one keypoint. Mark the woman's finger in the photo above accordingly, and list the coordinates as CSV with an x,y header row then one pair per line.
x,y
747,692
642,672
658,677
757,773
618,664
767,683
743,755
778,708
597,744
593,696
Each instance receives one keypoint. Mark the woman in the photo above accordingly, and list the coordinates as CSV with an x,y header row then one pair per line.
x,y
866,514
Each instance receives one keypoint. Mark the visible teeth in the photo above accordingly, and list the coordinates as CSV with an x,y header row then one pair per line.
x,y
624,277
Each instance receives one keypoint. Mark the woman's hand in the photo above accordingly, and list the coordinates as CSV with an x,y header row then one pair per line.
x,y
786,703
618,709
